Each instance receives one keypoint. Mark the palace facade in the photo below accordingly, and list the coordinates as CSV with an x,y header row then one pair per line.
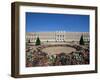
x,y
58,36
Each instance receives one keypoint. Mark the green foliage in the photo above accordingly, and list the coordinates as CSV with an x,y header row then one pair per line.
x,y
81,42
38,42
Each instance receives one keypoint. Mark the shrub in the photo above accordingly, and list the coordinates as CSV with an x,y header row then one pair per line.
x,y
38,42
81,42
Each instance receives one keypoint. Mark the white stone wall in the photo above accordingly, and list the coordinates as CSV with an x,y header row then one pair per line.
x,y
58,36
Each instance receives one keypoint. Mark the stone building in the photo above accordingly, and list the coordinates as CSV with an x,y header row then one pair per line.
x,y
58,36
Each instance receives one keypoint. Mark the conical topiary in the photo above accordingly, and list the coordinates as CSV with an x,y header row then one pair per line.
x,y
38,42
81,42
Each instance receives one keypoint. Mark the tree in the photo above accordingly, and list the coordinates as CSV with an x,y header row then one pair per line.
x,y
29,41
38,42
81,42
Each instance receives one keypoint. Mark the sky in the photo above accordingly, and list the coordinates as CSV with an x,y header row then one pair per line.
x,y
44,22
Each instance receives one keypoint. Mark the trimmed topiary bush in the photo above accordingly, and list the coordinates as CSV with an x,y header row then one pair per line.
x,y
38,42
81,42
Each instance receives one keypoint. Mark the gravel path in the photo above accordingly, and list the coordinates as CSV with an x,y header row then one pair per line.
x,y
59,49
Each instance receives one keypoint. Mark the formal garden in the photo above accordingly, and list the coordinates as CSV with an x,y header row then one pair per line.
x,y
57,54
